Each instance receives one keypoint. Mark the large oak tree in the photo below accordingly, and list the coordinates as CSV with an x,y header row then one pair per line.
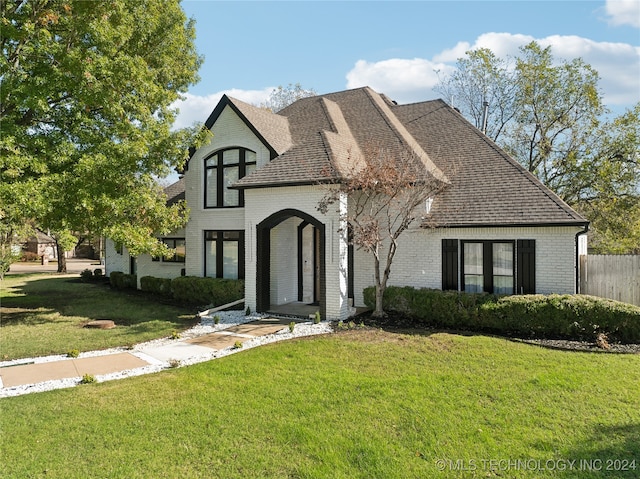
x,y
86,117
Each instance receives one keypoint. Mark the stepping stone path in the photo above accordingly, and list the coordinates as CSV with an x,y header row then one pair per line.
x,y
153,354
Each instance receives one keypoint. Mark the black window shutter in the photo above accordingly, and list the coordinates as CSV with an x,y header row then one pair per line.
x,y
450,264
526,265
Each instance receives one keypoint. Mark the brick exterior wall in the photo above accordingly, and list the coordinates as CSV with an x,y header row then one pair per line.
x,y
262,203
418,260
229,131
115,261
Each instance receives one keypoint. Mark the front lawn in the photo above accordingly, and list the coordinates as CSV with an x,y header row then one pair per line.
x,y
44,314
355,404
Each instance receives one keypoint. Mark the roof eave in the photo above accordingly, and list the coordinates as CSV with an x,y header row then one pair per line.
x,y
581,224
321,181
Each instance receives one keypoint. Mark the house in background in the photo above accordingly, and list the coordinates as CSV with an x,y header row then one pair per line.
x,y
41,244
253,193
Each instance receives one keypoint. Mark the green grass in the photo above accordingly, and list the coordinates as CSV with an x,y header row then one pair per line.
x,y
356,404
44,314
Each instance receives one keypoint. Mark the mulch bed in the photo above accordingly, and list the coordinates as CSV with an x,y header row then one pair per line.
x,y
397,322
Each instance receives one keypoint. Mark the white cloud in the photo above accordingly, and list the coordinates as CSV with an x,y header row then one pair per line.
x,y
502,44
196,109
617,63
412,80
401,79
623,12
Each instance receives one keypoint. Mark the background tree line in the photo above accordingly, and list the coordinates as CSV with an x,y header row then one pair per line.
x,y
550,116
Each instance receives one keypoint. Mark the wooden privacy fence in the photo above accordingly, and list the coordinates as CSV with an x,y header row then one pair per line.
x,y
611,276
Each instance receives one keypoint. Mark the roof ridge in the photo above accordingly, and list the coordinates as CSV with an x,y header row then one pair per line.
x,y
343,149
279,140
403,134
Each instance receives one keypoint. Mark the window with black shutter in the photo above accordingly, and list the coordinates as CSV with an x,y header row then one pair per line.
x,y
450,264
526,264
487,266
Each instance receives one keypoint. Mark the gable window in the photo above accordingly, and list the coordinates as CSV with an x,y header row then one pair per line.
x,y
222,169
224,254
177,244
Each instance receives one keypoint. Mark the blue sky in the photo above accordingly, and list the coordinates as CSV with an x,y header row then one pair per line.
x,y
396,47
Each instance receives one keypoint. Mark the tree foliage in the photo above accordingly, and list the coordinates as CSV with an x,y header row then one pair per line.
x,y
482,77
85,110
611,200
550,116
380,199
282,97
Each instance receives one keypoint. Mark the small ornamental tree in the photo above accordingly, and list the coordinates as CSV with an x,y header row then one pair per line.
x,y
386,194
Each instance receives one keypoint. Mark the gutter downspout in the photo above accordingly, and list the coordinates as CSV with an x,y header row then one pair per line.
x,y
584,231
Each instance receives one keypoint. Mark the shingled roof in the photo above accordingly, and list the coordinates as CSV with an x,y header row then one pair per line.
x,y
321,138
175,192
488,187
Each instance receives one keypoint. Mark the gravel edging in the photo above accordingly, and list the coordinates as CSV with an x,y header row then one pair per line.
x,y
584,346
206,326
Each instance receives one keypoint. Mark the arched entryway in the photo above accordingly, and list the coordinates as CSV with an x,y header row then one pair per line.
x,y
297,238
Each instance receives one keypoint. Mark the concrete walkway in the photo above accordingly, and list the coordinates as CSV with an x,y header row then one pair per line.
x,y
153,354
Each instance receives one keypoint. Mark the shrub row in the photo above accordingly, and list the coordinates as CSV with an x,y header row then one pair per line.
x,y
88,276
214,291
160,286
195,290
120,280
573,317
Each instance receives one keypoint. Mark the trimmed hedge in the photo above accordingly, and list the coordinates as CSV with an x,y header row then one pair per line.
x,y
120,280
574,317
161,286
214,291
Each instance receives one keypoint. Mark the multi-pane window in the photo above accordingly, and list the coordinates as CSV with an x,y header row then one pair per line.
x,y
223,168
501,267
488,266
224,254
177,244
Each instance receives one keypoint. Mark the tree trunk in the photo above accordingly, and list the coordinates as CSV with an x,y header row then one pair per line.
x,y
62,259
380,286
379,311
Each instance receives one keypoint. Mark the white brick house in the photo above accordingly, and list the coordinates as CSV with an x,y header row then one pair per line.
x,y
253,193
